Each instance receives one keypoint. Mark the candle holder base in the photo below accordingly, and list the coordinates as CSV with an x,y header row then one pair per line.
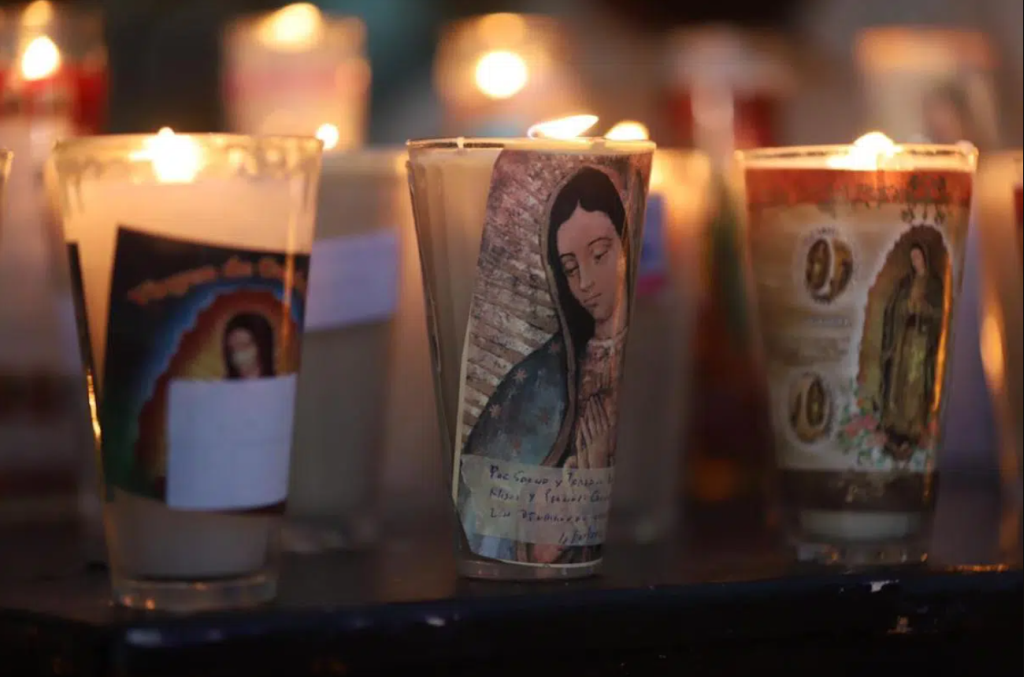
x,y
308,536
859,539
861,554
193,596
492,570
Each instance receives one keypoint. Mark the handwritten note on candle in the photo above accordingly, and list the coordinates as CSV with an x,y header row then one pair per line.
x,y
353,280
539,504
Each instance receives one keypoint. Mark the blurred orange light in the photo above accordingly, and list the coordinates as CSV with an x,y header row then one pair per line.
x,y
501,74
292,28
41,59
329,134
628,130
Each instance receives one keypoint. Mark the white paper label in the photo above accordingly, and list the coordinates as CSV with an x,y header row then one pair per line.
x,y
228,443
352,280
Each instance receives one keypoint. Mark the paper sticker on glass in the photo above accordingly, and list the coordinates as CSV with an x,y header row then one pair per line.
x,y
198,389
904,325
543,358
856,276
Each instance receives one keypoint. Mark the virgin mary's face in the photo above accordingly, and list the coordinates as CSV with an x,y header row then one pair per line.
x,y
591,256
245,354
918,262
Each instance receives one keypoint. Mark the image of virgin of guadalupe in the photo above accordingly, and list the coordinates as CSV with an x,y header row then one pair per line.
x,y
248,347
558,406
912,328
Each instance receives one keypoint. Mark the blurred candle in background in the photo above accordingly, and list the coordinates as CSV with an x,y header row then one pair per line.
x,y
936,85
656,405
724,92
53,79
931,85
365,420
725,88
498,73
297,71
1000,219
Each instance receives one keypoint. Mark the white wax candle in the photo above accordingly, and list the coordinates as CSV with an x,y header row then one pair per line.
x,y
361,407
999,220
297,71
28,330
652,429
227,207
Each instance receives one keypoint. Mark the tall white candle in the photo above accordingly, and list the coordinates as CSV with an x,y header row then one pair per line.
x,y
365,418
297,71
40,466
202,196
999,204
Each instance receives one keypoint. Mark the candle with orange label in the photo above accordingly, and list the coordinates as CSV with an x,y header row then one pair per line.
x,y
857,255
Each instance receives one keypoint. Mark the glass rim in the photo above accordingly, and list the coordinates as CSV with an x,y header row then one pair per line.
x,y
98,143
940,150
492,142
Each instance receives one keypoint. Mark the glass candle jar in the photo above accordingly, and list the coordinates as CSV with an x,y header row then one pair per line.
x,y
189,258
858,255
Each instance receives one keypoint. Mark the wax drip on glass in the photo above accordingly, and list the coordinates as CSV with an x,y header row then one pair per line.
x,y
176,158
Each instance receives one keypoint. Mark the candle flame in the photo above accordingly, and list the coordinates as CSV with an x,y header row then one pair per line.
x,y
329,134
176,158
866,153
564,128
628,130
292,28
501,74
41,59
